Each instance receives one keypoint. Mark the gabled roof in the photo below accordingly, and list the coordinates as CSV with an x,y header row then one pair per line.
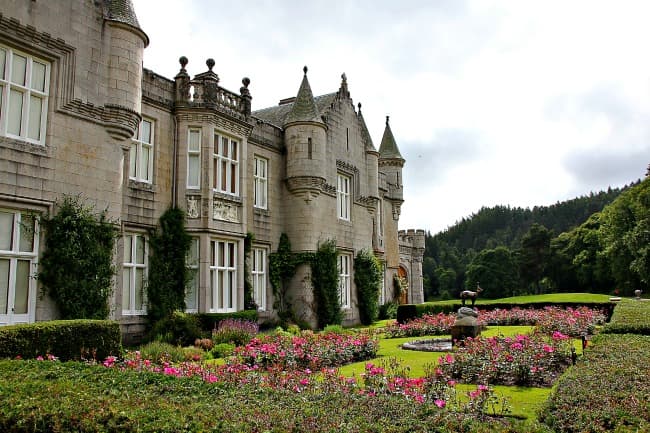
x,y
388,148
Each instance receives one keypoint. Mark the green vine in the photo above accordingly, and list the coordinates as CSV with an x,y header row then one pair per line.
x,y
325,278
367,278
76,269
249,302
169,275
282,267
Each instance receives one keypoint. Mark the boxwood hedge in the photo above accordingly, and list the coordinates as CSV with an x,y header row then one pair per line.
x,y
630,316
608,390
65,339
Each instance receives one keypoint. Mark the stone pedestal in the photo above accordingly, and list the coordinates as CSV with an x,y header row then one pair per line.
x,y
466,325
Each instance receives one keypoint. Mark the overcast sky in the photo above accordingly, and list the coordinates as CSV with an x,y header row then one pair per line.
x,y
518,103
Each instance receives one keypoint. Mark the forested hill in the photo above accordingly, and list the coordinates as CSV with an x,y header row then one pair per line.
x,y
505,226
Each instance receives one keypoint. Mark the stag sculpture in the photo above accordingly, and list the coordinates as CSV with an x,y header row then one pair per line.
x,y
468,294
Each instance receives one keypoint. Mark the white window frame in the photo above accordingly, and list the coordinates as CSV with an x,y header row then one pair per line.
x,y
16,253
226,156
382,289
192,289
140,145
258,273
343,196
223,276
345,266
130,265
28,123
261,182
194,154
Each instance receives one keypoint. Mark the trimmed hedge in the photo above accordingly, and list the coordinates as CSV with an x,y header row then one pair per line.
x,y
406,312
64,397
630,317
65,339
210,321
608,390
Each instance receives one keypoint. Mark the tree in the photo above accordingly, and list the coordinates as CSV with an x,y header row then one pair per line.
x,y
76,269
169,275
534,255
496,272
446,279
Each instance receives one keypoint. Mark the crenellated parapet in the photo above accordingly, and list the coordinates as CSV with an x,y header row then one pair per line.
x,y
204,91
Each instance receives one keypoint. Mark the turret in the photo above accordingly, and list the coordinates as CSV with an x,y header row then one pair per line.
x,y
391,164
305,140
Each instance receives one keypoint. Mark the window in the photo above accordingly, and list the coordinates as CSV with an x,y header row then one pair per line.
x,y
192,289
141,168
134,274
380,217
261,183
343,197
223,276
24,86
18,247
226,165
259,278
382,288
194,158
344,279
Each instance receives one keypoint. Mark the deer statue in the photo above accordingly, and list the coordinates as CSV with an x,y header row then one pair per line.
x,y
468,294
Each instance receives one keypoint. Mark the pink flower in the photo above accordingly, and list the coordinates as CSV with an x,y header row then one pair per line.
x,y
440,403
482,388
304,382
39,358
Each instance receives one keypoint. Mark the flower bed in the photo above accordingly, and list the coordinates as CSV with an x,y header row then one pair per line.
x,y
528,360
569,321
307,350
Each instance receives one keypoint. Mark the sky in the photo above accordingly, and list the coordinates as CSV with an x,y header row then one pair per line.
x,y
506,102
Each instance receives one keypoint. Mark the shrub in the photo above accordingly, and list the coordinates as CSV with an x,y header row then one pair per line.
x,y
335,329
204,343
388,311
222,350
76,268
325,278
630,317
406,312
234,331
158,352
210,321
180,329
608,391
66,339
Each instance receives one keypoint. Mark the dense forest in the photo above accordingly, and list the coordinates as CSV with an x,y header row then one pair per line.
x,y
596,243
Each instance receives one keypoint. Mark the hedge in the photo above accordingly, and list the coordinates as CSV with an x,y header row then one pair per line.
x,y
406,312
630,317
65,339
98,399
608,390
210,321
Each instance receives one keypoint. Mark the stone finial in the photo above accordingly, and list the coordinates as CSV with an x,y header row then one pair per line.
x,y
387,118
344,78
305,70
210,64
246,81
246,96
183,61
359,105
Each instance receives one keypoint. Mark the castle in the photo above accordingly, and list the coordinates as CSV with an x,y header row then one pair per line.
x,y
80,115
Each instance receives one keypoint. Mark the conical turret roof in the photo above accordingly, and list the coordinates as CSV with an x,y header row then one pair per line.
x,y
388,148
122,11
304,108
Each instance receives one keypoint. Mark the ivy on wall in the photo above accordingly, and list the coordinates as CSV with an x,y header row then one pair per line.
x,y
325,279
169,275
249,302
282,267
76,269
367,279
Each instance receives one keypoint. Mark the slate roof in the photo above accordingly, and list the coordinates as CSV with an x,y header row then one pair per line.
x,y
388,148
122,11
278,115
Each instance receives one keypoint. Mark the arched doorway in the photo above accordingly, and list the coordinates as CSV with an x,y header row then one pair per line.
x,y
404,292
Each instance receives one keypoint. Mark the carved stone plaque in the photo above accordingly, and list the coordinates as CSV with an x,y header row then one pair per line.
x,y
225,211
193,207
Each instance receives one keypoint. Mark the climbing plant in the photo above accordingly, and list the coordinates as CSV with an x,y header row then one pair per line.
x,y
76,268
325,279
367,278
282,267
169,275
249,302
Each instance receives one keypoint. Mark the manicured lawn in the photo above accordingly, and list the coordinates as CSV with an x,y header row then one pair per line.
x,y
550,297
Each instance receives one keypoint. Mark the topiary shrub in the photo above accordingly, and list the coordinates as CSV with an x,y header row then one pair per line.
x,y
367,278
180,329
66,339
406,312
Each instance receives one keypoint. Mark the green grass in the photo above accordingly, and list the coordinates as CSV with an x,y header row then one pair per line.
x,y
527,299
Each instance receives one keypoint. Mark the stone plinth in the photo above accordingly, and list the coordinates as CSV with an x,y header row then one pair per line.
x,y
466,325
